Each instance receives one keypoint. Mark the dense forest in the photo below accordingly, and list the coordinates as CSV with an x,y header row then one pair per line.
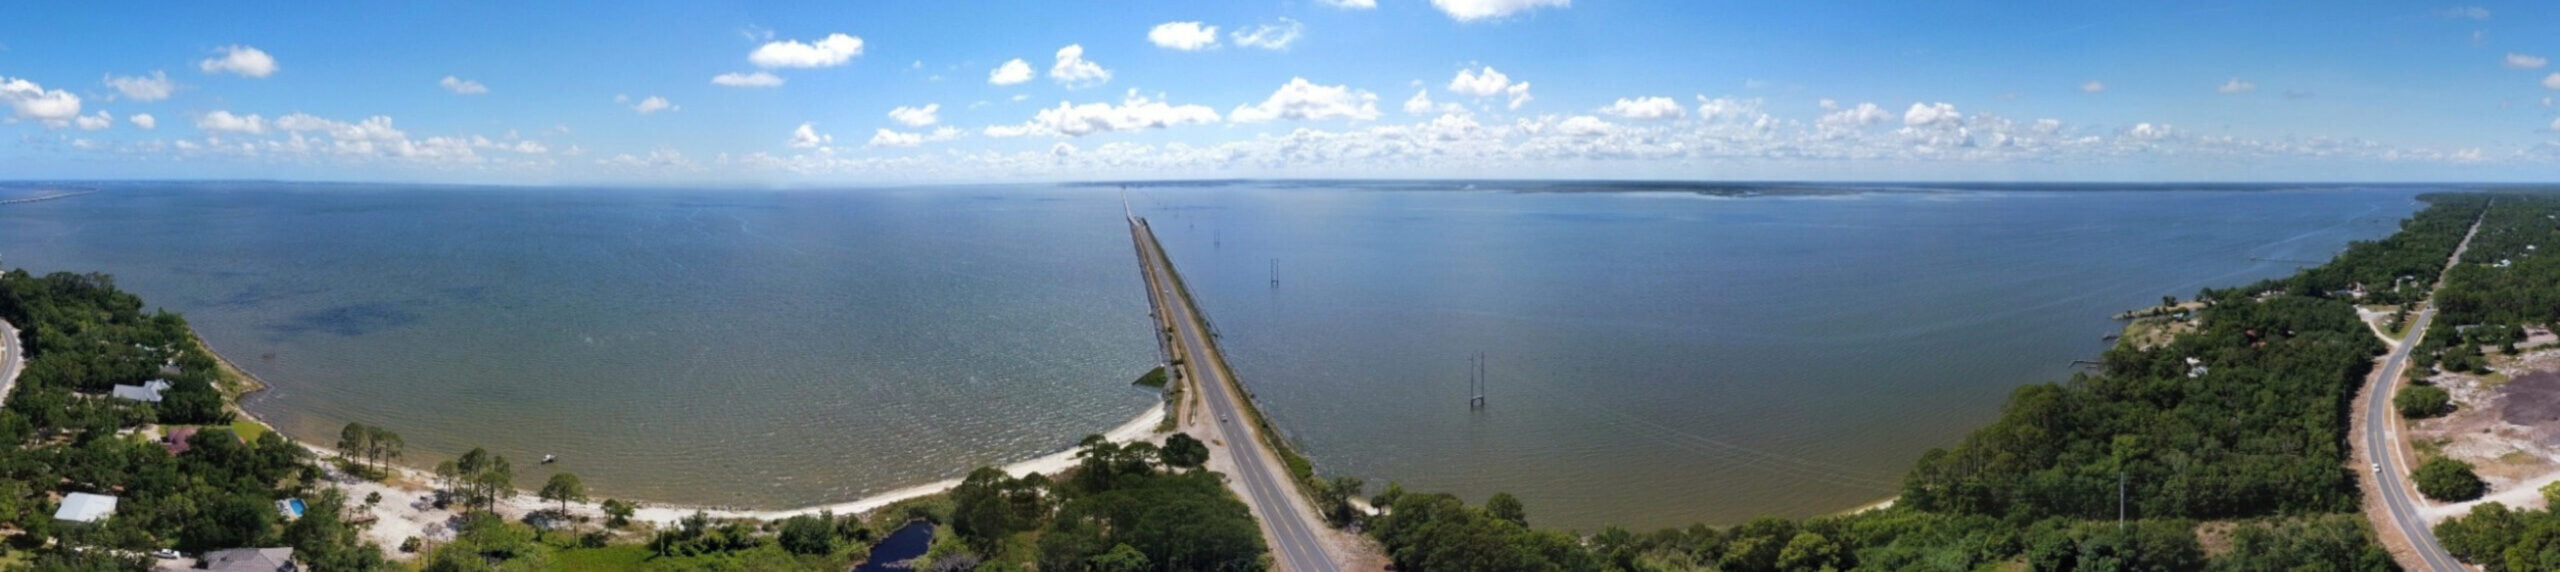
x,y
67,436
2234,432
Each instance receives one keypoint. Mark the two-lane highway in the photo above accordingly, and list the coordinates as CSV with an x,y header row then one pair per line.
x,y
1288,522
2381,442
13,357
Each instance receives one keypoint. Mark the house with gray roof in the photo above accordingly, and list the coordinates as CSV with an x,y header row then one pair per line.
x,y
251,560
148,392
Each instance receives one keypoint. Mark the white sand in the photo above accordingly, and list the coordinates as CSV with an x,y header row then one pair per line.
x,y
406,509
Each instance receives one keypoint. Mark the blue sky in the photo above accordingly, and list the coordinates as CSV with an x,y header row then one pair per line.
x,y
544,93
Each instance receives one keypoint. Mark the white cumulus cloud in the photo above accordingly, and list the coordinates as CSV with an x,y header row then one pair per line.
x,y
834,50
28,100
1274,37
2093,86
1932,115
1648,108
1302,100
1185,36
1133,113
1472,10
243,61
2551,81
892,138
2525,61
225,122
101,120
917,116
461,86
2237,85
1518,94
1075,72
138,88
1012,72
1420,103
1836,118
807,137
756,79
654,104
1350,4
144,120
1479,83
1585,126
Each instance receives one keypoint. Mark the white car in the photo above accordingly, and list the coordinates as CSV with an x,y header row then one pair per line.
x,y
165,554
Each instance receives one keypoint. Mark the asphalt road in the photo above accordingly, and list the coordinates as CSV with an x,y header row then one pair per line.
x,y
13,354
2383,446
1287,523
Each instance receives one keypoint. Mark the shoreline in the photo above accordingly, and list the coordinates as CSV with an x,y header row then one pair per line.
x,y
1141,427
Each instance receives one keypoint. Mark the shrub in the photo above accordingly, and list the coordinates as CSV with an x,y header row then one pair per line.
x,y
2448,480
2422,401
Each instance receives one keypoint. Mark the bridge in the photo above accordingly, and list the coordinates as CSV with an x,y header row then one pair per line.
x,y
1289,522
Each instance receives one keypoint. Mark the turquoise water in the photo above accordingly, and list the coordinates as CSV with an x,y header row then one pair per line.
x,y
1656,358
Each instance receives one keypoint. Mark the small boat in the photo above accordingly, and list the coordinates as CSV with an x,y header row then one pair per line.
x,y
549,459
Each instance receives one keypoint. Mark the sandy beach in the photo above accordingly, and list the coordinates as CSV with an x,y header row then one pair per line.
x,y
407,508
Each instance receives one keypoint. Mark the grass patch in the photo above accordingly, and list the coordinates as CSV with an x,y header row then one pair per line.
x,y
2147,333
638,557
934,508
2519,458
2495,379
1154,378
2429,448
249,429
606,559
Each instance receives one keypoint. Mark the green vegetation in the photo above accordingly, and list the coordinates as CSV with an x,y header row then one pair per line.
x,y
2325,542
2422,401
479,478
1123,507
83,336
563,488
2448,480
1154,378
2240,416
375,446
2501,539
1183,452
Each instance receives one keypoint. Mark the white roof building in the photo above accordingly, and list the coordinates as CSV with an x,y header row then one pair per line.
x,y
85,507
149,391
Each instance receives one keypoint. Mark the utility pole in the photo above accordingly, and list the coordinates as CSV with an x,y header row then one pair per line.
x,y
1476,382
2119,499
